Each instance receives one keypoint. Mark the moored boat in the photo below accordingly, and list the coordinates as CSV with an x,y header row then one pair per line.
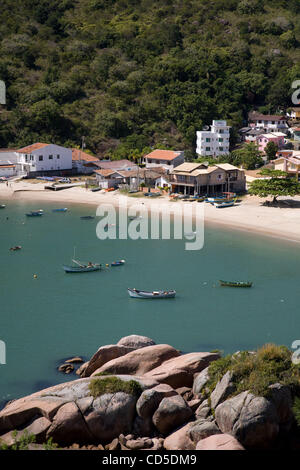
x,y
118,263
160,294
81,268
236,283
35,214
87,217
64,209
2,206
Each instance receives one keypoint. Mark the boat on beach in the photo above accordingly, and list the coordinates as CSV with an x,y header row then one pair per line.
x,y
159,294
219,205
236,283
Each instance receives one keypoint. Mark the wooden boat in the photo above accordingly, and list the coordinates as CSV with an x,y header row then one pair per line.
x,y
160,294
2,206
87,217
34,214
236,283
15,248
64,209
219,205
94,190
118,263
81,268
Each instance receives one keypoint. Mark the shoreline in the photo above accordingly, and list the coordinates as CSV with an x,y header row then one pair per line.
x,y
248,216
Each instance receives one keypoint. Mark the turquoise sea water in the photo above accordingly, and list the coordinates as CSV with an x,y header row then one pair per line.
x,y
58,315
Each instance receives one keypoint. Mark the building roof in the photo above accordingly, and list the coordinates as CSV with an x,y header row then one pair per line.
x,y
227,166
254,116
106,172
186,167
78,155
115,164
7,166
31,148
168,155
8,150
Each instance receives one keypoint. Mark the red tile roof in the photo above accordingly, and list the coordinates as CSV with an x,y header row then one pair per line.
x,y
78,155
7,166
31,148
163,155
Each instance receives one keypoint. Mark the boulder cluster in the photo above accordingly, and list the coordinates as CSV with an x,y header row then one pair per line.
x,y
172,410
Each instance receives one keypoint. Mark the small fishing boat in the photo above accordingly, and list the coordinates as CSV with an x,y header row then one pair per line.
x,y
236,283
118,263
159,294
81,268
34,214
87,217
64,209
218,205
15,248
94,190
2,206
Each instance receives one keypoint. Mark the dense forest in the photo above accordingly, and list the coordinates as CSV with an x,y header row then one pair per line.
x,y
134,74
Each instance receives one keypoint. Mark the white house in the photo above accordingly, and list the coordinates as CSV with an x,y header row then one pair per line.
x,y
8,162
214,142
167,159
45,159
268,123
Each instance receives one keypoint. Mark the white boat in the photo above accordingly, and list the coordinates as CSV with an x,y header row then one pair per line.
x,y
159,294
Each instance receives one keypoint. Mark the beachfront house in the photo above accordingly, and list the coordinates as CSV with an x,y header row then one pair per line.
x,y
268,123
288,161
83,163
42,159
167,159
8,162
116,165
276,137
214,142
197,178
107,178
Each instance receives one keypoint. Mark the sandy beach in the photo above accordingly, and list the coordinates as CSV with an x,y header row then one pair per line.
x,y
247,215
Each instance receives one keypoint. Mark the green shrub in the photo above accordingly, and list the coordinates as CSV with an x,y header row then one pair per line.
x,y
113,385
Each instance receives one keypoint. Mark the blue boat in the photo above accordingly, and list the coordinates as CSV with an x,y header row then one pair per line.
x,y
81,268
219,205
64,209
118,263
87,217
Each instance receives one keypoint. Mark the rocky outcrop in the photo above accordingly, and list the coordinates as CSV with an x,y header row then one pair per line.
x,y
203,428
151,398
200,381
171,413
253,421
179,440
136,342
179,371
140,361
219,442
222,390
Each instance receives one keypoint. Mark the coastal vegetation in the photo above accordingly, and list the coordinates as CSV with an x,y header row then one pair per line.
x,y
131,75
279,183
114,385
256,371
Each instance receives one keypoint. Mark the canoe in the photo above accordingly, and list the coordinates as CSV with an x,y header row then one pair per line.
x,y
118,263
218,205
160,294
60,210
87,217
236,284
82,269
94,190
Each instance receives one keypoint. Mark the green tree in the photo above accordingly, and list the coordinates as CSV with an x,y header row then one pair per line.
x,y
278,184
249,157
271,150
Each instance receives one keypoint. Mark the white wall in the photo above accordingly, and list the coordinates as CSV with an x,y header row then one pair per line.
x,y
7,171
8,157
61,159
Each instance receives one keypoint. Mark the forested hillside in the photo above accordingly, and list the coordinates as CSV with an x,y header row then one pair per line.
x,y
130,74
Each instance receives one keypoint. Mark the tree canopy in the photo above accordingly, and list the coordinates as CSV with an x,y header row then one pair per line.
x,y
278,184
137,73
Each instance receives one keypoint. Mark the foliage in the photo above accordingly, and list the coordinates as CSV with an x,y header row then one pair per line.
x,y
249,157
135,75
271,150
113,385
256,371
279,184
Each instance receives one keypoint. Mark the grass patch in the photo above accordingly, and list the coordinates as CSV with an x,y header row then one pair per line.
x,y
255,372
113,385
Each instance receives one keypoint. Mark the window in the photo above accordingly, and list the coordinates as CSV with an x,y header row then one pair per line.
x,y
220,177
221,149
220,140
207,149
40,158
50,157
58,157
208,139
